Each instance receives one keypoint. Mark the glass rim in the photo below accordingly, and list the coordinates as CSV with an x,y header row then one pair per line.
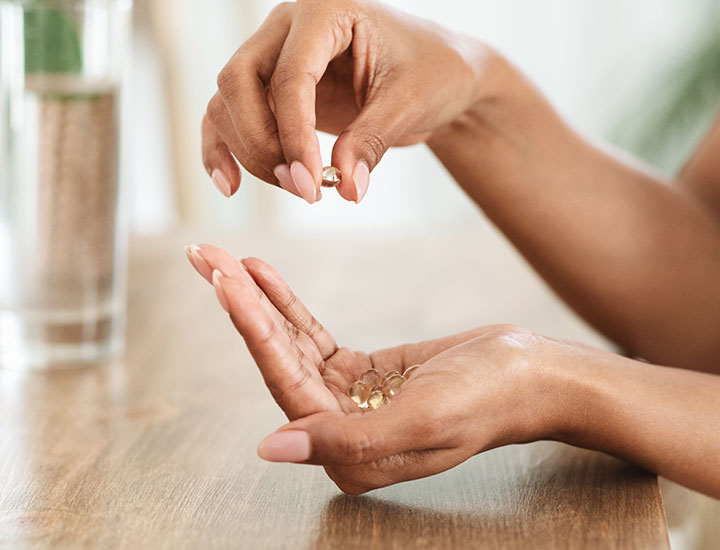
x,y
68,4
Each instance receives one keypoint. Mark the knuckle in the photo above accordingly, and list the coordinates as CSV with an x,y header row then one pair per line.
x,y
267,334
288,80
263,141
353,447
235,73
288,390
216,112
313,327
282,9
226,75
281,78
230,78
375,147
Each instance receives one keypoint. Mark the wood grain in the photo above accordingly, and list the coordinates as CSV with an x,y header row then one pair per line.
x,y
158,450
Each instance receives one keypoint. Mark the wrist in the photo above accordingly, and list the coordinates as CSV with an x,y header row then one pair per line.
x,y
495,80
584,404
530,398
563,391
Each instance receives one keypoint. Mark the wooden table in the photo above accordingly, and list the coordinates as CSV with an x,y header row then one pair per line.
x,y
158,450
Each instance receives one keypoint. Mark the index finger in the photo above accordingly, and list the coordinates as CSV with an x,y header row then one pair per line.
x,y
297,386
315,38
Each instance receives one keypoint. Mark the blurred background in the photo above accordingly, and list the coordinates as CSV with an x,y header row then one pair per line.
x,y
643,75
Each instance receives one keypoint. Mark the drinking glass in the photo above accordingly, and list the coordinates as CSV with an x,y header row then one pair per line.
x,y
62,222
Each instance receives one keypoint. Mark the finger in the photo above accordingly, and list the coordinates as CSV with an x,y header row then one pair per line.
x,y
209,259
340,439
206,258
300,66
363,143
218,161
296,386
219,118
289,305
242,87
270,287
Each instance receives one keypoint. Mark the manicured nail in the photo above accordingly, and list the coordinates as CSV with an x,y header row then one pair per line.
x,y
201,264
285,446
219,290
188,253
221,182
361,178
304,181
282,173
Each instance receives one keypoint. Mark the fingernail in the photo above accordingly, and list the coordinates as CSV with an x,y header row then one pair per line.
x,y
304,181
201,264
282,173
285,446
188,253
361,178
219,290
221,182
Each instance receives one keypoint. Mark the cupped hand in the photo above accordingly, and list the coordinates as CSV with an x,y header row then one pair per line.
x,y
473,391
372,75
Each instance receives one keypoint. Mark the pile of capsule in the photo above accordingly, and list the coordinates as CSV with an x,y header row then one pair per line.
x,y
372,391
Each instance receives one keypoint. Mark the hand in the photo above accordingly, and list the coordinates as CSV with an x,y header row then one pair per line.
x,y
370,74
473,391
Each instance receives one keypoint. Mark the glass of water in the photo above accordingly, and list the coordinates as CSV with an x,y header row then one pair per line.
x,y
62,228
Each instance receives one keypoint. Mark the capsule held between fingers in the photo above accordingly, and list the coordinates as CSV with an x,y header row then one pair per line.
x,y
331,176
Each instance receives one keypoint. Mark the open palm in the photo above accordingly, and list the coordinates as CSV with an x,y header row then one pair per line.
x,y
302,365
472,377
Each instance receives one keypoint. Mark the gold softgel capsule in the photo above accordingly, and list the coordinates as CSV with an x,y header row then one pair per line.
x,y
370,378
408,371
359,393
331,176
390,374
377,398
391,387
372,390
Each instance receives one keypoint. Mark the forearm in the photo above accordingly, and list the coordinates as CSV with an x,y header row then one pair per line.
x,y
635,257
701,174
661,418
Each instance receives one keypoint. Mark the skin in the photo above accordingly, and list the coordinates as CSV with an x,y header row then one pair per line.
x,y
637,256
523,387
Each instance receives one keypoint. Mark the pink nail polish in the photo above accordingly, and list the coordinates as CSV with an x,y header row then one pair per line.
x,y
201,264
304,181
219,290
188,253
282,173
285,446
221,182
361,178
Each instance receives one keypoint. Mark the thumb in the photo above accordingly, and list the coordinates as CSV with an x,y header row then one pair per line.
x,y
336,438
363,143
